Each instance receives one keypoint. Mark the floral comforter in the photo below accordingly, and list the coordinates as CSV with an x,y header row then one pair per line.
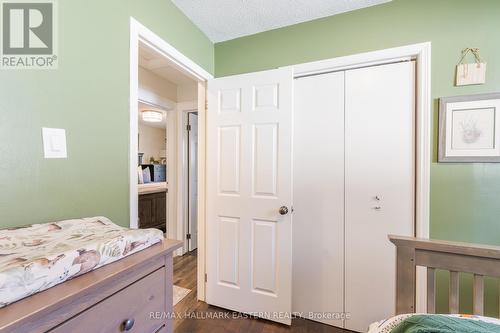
x,y
36,257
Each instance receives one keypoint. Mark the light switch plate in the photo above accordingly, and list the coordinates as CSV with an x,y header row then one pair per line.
x,y
54,143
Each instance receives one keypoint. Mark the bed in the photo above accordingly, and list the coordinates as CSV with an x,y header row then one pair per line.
x,y
64,276
455,257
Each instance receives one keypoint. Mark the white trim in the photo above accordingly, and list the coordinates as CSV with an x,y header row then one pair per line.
x,y
422,53
172,176
360,59
162,106
149,97
202,123
152,40
134,124
140,34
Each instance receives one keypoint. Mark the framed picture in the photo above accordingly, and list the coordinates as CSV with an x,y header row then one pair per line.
x,y
469,128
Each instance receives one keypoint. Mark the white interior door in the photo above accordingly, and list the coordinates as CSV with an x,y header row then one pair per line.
x,y
318,197
249,243
193,180
379,185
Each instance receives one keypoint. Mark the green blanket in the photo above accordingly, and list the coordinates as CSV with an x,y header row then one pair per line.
x,y
443,324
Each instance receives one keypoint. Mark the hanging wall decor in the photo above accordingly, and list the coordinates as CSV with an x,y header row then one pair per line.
x,y
469,128
473,73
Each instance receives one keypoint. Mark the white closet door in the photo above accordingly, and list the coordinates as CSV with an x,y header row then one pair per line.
x,y
318,196
379,179
249,238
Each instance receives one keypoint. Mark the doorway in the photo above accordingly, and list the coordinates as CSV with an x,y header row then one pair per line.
x,y
152,164
173,84
165,92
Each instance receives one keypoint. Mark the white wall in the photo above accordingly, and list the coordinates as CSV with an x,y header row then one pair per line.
x,y
150,82
187,93
153,86
151,141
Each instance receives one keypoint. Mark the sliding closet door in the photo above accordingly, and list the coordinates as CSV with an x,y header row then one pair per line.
x,y
318,196
379,180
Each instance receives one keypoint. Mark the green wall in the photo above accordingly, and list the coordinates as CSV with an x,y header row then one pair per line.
x,y
465,198
88,96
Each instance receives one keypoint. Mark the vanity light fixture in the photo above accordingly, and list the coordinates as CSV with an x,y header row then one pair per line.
x,y
152,116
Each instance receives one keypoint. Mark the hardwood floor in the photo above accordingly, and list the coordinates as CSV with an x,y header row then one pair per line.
x,y
193,316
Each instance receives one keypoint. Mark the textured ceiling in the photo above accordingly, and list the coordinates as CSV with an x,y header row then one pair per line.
x,y
222,20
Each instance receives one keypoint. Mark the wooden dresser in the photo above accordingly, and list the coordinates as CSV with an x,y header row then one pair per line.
x,y
133,294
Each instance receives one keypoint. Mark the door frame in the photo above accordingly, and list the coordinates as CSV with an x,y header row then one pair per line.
x,y
141,34
421,52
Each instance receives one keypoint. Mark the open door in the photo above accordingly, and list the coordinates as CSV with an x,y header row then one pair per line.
x,y
193,180
249,193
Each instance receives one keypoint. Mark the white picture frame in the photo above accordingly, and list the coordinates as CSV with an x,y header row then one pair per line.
x,y
469,128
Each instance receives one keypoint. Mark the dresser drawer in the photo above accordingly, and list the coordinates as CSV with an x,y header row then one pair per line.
x,y
135,302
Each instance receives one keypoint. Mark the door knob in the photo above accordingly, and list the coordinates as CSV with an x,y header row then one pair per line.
x,y
283,210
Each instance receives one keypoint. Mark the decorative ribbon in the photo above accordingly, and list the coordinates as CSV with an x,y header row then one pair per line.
x,y
474,51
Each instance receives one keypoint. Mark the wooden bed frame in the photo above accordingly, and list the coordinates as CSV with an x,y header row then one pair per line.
x,y
116,297
455,257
